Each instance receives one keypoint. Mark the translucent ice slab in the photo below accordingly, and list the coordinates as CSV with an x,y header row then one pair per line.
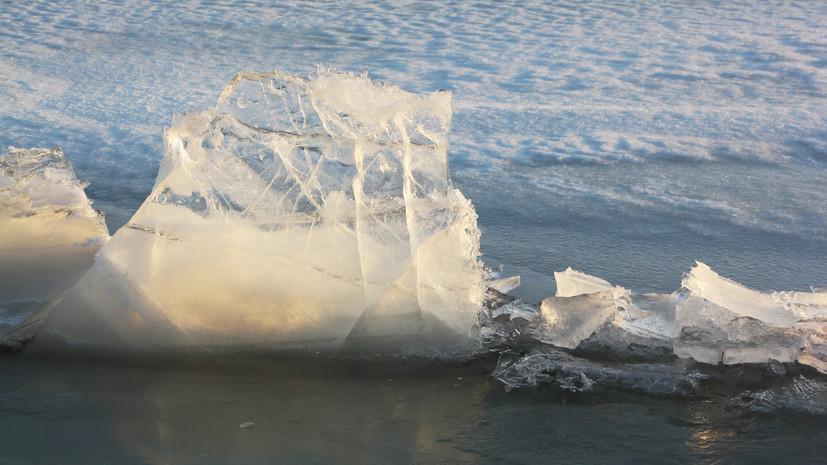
x,y
571,283
301,211
566,321
706,284
711,320
49,235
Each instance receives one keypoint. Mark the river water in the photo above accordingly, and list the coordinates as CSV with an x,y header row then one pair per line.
x,y
626,139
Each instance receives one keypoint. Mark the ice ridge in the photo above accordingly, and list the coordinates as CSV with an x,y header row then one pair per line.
x,y
711,320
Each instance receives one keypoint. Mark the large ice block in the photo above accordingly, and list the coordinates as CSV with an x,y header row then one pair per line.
x,y
300,211
49,235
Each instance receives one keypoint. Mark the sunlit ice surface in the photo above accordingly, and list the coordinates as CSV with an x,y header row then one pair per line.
x,y
299,212
49,235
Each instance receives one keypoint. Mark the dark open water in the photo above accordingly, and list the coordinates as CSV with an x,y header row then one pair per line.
x,y
325,411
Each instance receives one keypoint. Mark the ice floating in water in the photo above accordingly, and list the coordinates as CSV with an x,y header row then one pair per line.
x,y
546,365
299,212
49,235
800,395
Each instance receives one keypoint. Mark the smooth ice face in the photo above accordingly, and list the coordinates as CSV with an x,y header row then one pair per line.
x,y
706,284
299,212
572,282
49,233
566,321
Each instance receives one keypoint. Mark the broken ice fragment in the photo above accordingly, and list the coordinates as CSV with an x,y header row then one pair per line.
x,y
572,282
49,235
504,285
705,283
300,211
647,317
566,321
815,349
801,395
714,334
805,305
651,316
551,366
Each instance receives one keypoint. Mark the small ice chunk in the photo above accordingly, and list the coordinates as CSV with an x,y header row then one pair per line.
x,y
504,285
805,305
705,283
814,353
49,233
648,316
508,325
782,348
247,425
494,279
566,321
714,334
698,350
651,316
300,211
571,283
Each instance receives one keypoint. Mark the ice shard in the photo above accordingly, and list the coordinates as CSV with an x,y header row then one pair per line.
x,y
566,321
726,322
609,316
706,284
49,235
571,283
300,211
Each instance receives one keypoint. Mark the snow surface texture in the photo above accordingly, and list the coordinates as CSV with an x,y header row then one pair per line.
x,y
298,212
712,320
647,133
49,235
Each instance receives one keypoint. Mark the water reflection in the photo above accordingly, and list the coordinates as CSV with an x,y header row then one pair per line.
x,y
718,433
324,413
332,411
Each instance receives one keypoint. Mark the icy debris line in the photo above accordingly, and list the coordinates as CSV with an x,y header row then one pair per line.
x,y
49,235
711,319
301,211
547,365
800,395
